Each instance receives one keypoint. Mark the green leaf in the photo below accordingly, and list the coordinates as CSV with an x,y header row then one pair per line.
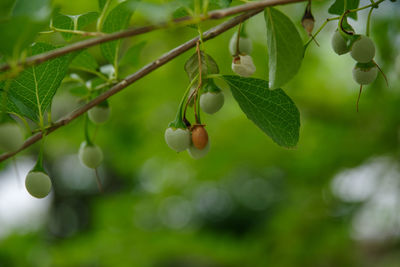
x,y
84,61
208,65
214,4
180,13
156,13
6,7
20,29
37,10
285,48
271,110
131,56
75,22
117,19
79,90
86,19
64,22
32,91
102,3
337,8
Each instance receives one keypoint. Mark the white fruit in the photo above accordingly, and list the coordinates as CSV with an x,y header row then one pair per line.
x,y
99,114
211,102
177,139
11,137
245,45
38,184
243,65
363,50
339,44
90,156
365,76
196,153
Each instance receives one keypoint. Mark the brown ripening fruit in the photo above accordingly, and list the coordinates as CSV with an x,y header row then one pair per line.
x,y
199,136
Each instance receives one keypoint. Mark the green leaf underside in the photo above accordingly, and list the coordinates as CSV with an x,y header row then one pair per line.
x,y
117,19
337,8
271,110
76,22
31,93
208,65
285,48
84,61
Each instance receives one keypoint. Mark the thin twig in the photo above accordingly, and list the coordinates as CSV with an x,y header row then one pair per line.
x,y
96,172
216,14
381,71
200,82
359,95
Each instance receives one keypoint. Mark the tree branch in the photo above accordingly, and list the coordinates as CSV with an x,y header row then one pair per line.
x,y
216,14
213,32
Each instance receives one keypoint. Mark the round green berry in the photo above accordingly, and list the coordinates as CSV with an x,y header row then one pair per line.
x,y
90,156
245,45
363,50
99,114
177,139
364,75
196,153
243,65
11,137
38,184
211,102
339,45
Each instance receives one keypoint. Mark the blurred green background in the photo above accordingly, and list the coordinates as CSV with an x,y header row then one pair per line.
x,y
332,201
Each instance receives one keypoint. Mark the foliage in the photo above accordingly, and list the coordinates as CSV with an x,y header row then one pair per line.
x,y
248,202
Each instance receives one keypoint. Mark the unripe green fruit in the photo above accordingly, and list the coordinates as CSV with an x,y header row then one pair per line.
x,y
211,102
243,65
363,50
364,75
177,139
245,45
196,153
339,44
11,137
90,155
38,184
99,114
